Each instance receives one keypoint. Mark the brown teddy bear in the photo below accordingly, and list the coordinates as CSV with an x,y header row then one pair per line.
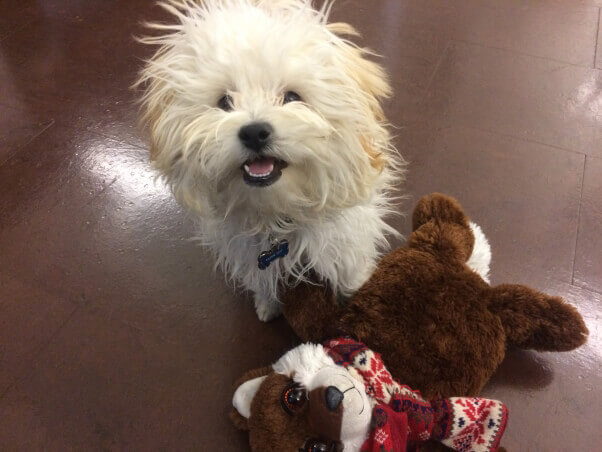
x,y
340,396
438,325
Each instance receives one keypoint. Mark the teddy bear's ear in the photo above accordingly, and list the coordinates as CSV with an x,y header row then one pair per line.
x,y
246,388
244,395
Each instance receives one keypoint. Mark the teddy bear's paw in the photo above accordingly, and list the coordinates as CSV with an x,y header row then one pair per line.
x,y
565,326
265,308
439,207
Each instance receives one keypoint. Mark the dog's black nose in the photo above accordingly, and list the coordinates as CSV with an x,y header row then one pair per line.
x,y
256,135
334,397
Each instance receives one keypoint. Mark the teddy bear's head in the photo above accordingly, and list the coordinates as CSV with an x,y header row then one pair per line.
x,y
304,402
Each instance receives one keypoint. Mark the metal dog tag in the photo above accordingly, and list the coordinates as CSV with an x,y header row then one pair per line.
x,y
279,250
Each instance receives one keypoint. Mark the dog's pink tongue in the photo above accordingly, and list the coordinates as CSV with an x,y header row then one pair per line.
x,y
261,166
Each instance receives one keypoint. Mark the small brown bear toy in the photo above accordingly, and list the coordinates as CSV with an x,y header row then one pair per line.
x,y
437,324
339,396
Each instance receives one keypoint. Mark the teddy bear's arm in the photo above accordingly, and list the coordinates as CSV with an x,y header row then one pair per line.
x,y
537,321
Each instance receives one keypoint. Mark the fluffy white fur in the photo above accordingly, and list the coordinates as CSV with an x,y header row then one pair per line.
x,y
332,197
480,258
303,362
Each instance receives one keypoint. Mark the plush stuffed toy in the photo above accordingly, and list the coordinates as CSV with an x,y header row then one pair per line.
x,y
339,396
438,324
439,327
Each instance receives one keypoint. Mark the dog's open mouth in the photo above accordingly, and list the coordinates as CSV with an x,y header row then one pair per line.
x,y
262,171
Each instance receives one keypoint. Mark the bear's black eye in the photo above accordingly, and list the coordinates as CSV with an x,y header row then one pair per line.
x,y
319,447
225,102
291,96
315,445
293,398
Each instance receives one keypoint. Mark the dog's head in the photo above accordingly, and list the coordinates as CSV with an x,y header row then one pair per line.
x,y
304,402
262,107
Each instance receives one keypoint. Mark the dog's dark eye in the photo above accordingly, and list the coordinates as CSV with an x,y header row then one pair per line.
x,y
291,96
293,398
225,102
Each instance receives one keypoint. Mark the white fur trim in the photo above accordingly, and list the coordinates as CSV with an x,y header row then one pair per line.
x,y
244,395
303,363
481,253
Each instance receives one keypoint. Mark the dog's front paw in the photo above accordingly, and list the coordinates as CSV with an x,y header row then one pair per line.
x,y
266,309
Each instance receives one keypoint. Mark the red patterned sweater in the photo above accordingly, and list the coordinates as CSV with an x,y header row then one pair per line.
x,y
402,419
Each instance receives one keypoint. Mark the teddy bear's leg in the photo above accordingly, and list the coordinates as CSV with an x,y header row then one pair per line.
x,y
535,320
311,310
441,227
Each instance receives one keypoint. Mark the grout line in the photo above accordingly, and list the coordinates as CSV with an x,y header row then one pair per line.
x,y
578,223
597,37
141,147
437,66
38,353
516,52
517,137
43,130
587,289
31,139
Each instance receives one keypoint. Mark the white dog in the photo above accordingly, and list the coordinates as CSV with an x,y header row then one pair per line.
x,y
265,120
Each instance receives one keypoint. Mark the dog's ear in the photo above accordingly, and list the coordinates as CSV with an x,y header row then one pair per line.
x,y
373,82
151,117
156,97
370,76
246,388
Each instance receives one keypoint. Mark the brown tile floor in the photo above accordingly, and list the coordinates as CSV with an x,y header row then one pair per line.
x,y
114,331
